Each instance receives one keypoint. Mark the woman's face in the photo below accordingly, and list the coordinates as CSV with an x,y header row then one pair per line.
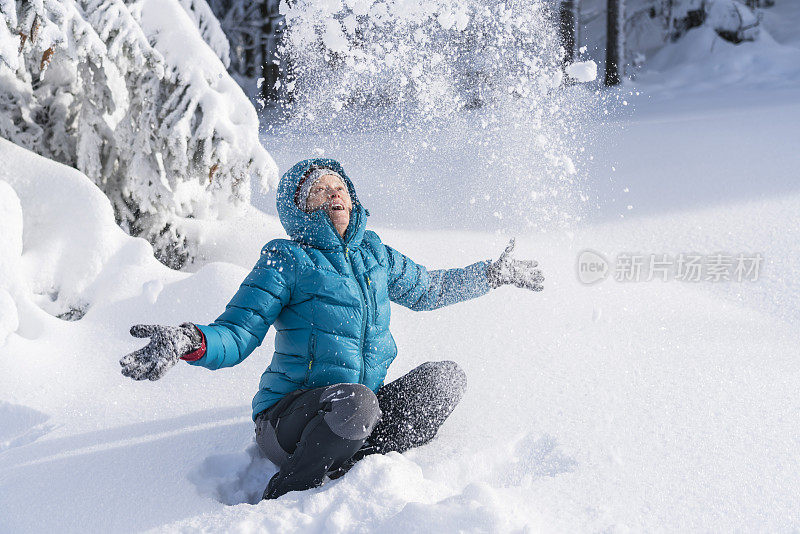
x,y
330,193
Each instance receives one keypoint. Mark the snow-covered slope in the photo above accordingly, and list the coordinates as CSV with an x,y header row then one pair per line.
x,y
702,60
619,406
699,58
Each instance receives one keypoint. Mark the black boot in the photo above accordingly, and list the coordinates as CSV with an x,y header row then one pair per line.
x,y
318,451
366,449
320,430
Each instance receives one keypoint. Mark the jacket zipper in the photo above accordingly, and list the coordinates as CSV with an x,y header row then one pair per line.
x,y
363,316
312,353
373,297
363,303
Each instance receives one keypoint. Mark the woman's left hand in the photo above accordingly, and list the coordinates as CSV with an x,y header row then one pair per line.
x,y
521,273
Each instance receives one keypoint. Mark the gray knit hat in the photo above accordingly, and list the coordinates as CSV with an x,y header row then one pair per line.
x,y
303,190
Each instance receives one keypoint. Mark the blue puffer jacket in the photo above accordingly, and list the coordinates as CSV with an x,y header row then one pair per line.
x,y
328,299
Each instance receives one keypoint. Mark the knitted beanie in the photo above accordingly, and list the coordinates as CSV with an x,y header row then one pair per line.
x,y
307,182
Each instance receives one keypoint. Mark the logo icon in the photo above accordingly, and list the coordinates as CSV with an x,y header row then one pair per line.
x,y
592,267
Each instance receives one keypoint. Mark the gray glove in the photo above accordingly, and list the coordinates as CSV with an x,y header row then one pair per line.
x,y
167,345
521,273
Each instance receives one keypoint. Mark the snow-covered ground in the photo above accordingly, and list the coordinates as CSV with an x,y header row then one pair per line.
x,y
637,406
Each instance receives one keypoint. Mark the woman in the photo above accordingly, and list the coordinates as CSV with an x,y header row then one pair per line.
x,y
321,403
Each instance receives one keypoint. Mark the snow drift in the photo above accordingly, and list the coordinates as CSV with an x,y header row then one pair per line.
x,y
617,406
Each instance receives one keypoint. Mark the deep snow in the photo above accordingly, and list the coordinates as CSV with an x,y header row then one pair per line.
x,y
613,407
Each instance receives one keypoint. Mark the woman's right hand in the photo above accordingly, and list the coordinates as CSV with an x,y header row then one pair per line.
x,y
168,344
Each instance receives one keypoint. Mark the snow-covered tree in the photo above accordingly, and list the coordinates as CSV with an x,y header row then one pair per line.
x,y
132,96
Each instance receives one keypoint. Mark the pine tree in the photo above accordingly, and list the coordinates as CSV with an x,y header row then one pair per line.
x,y
161,129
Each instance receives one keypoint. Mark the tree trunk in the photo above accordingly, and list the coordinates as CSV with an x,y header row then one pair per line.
x,y
666,10
615,42
248,41
272,64
567,23
265,61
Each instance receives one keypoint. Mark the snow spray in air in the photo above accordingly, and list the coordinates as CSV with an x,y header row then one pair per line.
x,y
466,103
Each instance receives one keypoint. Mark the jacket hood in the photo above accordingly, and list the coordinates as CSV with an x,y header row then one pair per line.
x,y
315,228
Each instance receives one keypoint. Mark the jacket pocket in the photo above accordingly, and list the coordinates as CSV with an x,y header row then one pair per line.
x,y
312,350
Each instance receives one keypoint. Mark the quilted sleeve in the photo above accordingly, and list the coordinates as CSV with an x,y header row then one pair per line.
x,y
415,287
252,310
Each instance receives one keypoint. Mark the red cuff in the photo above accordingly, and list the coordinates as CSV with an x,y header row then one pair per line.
x,y
199,353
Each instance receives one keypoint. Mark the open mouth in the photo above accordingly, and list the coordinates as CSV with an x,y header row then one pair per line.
x,y
337,207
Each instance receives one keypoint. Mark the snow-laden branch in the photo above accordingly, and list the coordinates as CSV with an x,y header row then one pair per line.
x,y
210,28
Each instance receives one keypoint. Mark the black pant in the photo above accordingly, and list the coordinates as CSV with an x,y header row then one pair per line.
x,y
311,433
